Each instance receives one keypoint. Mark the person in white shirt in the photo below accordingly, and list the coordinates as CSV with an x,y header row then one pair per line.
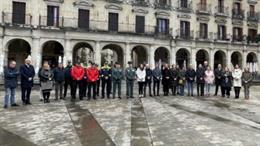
x,y
141,74
237,81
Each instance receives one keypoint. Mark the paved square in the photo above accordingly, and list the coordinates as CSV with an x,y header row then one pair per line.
x,y
153,121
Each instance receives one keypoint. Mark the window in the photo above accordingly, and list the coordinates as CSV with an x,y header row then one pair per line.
x,y
162,25
139,24
251,10
162,2
203,30
222,32
203,5
83,19
184,3
237,34
237,8
185,29
221,6
18,13
113,22
252,33
53,16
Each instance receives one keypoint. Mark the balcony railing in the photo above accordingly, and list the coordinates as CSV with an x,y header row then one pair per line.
x,y
237,38
225,37
55,22
184,6
17,19
222,11
141,3
252,16
163,6
115,1
204,37
238,14
186,35
203,8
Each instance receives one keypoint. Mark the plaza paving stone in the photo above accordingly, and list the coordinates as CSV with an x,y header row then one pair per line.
x,y
151,121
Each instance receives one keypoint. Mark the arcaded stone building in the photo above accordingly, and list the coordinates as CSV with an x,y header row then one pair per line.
x,y
174,31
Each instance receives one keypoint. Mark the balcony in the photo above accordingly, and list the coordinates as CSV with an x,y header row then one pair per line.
x,y
252,16
222,38
188,35
115,1
203,9
163,6
140,3
204,37
238,14
222,11
54,23
237,38
184,6
15,19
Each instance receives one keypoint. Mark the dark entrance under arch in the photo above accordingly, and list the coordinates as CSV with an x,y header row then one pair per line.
x,y
83,52
219,58
161,55
112,53
139,55
236,59
202,56
52,52
182,58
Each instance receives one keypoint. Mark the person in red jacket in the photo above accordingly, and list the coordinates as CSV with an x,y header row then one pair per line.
x,y
77,74
92,75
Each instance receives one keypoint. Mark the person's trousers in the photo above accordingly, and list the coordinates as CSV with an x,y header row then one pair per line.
x,y
59,90
84,87
166,87
156,85
26,94
77,84
66,84
93,86
200,89
106,85
9,95
141,88
46,95
208,86
216,88
190,88
149,85
97,87
181,90
246,91
225,91
117,86
129,88
237,91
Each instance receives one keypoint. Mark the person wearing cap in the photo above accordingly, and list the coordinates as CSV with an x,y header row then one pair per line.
x,y
105,74
130,78
27,74
92,75
59,78
77,74
117,76
68,79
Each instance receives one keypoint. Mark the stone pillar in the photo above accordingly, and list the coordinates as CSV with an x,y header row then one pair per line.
x,y
173,55
2,56
211,58
68,52
151,56
97,53
244,59
229,63
36,54
127,54
192,58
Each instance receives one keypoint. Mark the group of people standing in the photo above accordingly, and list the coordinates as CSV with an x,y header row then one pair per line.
x,y
87,80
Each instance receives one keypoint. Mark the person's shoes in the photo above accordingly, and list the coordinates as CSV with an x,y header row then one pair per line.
x,y
29,103
119,97
72,100
14,104
88,99
215,94
41,99
94,98
81,98
132,97
5,106
102,97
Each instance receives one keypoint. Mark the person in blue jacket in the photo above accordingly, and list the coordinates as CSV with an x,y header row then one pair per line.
x,y
10,77
27,74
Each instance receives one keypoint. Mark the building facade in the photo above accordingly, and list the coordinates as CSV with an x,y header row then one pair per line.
x,y
179,32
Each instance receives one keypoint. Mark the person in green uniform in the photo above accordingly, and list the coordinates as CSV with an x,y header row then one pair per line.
x,y
130,78
117,76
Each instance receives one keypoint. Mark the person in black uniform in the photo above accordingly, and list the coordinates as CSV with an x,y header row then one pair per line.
x,y
106,74
218,74
98,82
174,79
68,79
200,74
166,79
148,80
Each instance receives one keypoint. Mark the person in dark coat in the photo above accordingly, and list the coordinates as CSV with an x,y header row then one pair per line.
x,y
59,78
182,80
157,75
200,74
117,77
84,83
130,75
190,78
226,82
166,79
27,74
98,81
218,74
105,74
68,79
174,79
10,78
148,80
46,77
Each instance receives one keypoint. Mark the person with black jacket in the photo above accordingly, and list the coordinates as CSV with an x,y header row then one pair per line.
x,y
190,78
226,82
148,80
157,75
46,77
218,74
59,78
68,79
200,74
166,79
174,79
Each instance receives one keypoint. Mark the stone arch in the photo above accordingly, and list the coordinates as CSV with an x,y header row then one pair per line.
x,y
53,52
139,55
182,57
236,58
83,52
252,61
112,53
220,58
162,55
201,56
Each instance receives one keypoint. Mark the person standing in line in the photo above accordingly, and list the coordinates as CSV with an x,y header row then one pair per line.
x,y
174,79
27,74
59,78
77,74
237,82
218,74
200,74
92,75
182,80
130,78
166,79
98,81
68,79
105,74
148,80
141,74
117,75
226,82
209,79
84,82
190,78
10,79
46,77
38,73
247,78
157,75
